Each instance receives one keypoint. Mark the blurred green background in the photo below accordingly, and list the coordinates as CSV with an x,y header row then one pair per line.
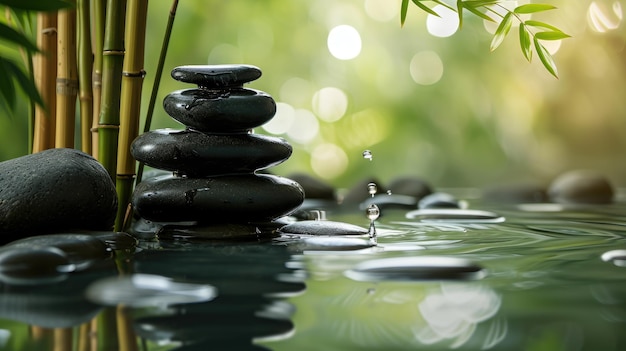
x,y
425,99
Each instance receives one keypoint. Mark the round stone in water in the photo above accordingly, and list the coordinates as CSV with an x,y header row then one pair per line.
x,y
216,76
617,257
329,228
416,269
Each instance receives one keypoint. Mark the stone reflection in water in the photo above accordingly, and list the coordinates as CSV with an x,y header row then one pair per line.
x,y
139,290
249,278
415,269
455,215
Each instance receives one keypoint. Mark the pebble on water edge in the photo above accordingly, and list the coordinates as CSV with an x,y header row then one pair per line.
x,y
416,269
32,266
328,228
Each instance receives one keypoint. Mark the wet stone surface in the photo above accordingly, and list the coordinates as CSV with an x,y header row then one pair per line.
x,y
581,187
327,228
199,154
32,266
439,200
236,198
232,111
416,268
54,190
216,76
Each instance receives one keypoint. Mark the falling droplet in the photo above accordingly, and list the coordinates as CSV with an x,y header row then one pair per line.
x,y
372,213
367,154
388,192
372,189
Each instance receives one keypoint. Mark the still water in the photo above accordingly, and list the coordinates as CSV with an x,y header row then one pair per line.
x,y
531,277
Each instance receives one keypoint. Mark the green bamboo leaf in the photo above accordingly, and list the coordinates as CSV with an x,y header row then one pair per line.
x,y
551,35
439,2
9,34
502,31
532,8
29,5
403,9
26,83
546,58
524,42
459,10
480,3
425,8
7,88
541,24
482,15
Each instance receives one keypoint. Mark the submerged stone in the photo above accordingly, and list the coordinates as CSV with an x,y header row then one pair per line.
x,y
391,201
416,269
314,188
455,216
216,76
324,243
199,154
327,228
515,193
408,185
231,111
233,198
581,187
81,250
31,266
55,190
439,200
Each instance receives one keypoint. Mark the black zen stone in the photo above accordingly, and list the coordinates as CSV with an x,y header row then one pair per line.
x,y
232,198
199,154
216,76
55,190
228,111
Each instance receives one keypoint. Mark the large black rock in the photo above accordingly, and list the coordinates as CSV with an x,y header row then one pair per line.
x,y
230,198
54,190
199,154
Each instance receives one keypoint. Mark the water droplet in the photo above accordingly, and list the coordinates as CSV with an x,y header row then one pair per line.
x,y
367,154
372,189
388,192
372,212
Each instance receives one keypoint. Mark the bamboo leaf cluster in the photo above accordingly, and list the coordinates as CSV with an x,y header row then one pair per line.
x,y
13,73
531,32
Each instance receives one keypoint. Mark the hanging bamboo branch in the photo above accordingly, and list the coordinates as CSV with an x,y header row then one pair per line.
x,y
112,61
132,81
98,11
45,71
85,63
67,82
157,77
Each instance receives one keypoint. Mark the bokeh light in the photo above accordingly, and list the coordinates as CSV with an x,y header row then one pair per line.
x,y
282,121
445,25
426,68
344,42
382,10
330,104
603,18
305,127
328,161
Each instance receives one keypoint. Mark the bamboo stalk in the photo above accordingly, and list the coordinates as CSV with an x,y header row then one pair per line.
x,y
84,333
63,339
85,65
126,334
98,10
67,82
157,77
112,61
132,82
107,330
45,71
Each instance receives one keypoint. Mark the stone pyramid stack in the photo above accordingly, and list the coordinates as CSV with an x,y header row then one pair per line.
x,y
215,159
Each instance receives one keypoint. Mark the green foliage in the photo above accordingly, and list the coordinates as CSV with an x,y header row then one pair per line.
x,y
530,31
16,36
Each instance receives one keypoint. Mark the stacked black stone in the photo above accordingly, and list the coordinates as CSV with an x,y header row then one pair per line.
x,y
215,159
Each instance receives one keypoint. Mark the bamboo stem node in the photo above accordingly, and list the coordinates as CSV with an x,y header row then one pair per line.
x,y
139,74
113,52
